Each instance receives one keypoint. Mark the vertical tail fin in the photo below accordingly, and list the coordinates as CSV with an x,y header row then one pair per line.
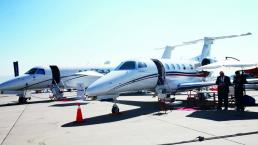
x,y
206,49
167,52
207,44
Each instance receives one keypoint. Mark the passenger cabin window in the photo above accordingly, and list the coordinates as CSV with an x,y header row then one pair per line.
x,y
167,66
40,71
178,66
173,66
183,66
191,66
141,65
129,65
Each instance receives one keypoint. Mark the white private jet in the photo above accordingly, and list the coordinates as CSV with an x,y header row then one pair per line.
x,y
162,76
51,77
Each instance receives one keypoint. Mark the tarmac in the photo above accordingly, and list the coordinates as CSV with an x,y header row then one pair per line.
x,y
45,122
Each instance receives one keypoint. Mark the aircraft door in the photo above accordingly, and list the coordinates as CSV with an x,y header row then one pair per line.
x,y
161,72
55,74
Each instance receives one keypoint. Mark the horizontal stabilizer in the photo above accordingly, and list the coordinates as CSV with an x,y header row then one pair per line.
x,y
252,81
228,64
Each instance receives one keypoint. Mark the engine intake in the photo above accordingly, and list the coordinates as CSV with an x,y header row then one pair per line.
x,y
206,61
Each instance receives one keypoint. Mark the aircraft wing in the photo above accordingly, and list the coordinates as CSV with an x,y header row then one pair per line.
x,y
85,78
252,81
90,73
195,85
228,64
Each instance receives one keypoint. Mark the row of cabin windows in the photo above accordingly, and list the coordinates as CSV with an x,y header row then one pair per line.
x,y
178,66
130,65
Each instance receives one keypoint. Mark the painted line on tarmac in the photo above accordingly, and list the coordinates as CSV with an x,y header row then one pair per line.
x,y
179,125
13,125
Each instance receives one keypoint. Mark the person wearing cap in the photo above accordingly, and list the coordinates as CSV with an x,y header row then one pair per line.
x,y
223,83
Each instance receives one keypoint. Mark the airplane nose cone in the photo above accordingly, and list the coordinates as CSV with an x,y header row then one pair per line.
x,y
105,84
6,86
97,89
2,87
92,90
12,84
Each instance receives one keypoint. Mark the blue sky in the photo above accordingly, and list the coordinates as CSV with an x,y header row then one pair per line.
x,y
83,32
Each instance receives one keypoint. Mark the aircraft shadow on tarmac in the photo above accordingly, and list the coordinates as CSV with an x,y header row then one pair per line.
x,y
213,138
15,103
145,108
67,104
224,115
153,107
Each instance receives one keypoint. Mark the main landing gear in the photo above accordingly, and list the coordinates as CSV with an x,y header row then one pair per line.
x,y
115,108
22,100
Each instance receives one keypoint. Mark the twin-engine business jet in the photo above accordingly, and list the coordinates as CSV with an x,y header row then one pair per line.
x,y
51,77
163,76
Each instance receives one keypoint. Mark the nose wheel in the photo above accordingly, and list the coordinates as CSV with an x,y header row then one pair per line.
x,y
22,100
115,109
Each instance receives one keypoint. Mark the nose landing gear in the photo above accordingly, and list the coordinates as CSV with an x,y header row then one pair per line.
x,y
22,100
115,109
23,97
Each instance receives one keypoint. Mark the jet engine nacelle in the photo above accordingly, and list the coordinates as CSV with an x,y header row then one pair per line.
x,y
207,61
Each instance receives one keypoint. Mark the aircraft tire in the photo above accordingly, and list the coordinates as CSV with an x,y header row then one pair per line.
x,y
115,110
22,100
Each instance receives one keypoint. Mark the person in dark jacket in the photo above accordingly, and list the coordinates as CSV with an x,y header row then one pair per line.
x,y
239,81
223,83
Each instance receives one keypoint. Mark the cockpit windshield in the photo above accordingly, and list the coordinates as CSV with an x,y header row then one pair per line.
x,y
128,65
36,71
142,65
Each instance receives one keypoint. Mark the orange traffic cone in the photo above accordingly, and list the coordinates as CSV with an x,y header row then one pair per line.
x,y
79,114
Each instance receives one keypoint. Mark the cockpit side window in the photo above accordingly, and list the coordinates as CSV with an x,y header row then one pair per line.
x,y
31,71
128,65
142,65
40,71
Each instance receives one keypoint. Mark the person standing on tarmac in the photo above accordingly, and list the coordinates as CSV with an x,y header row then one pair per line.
x,y
239,81
223,83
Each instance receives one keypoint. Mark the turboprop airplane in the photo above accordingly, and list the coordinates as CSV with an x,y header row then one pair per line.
x,y
51,77
162,76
